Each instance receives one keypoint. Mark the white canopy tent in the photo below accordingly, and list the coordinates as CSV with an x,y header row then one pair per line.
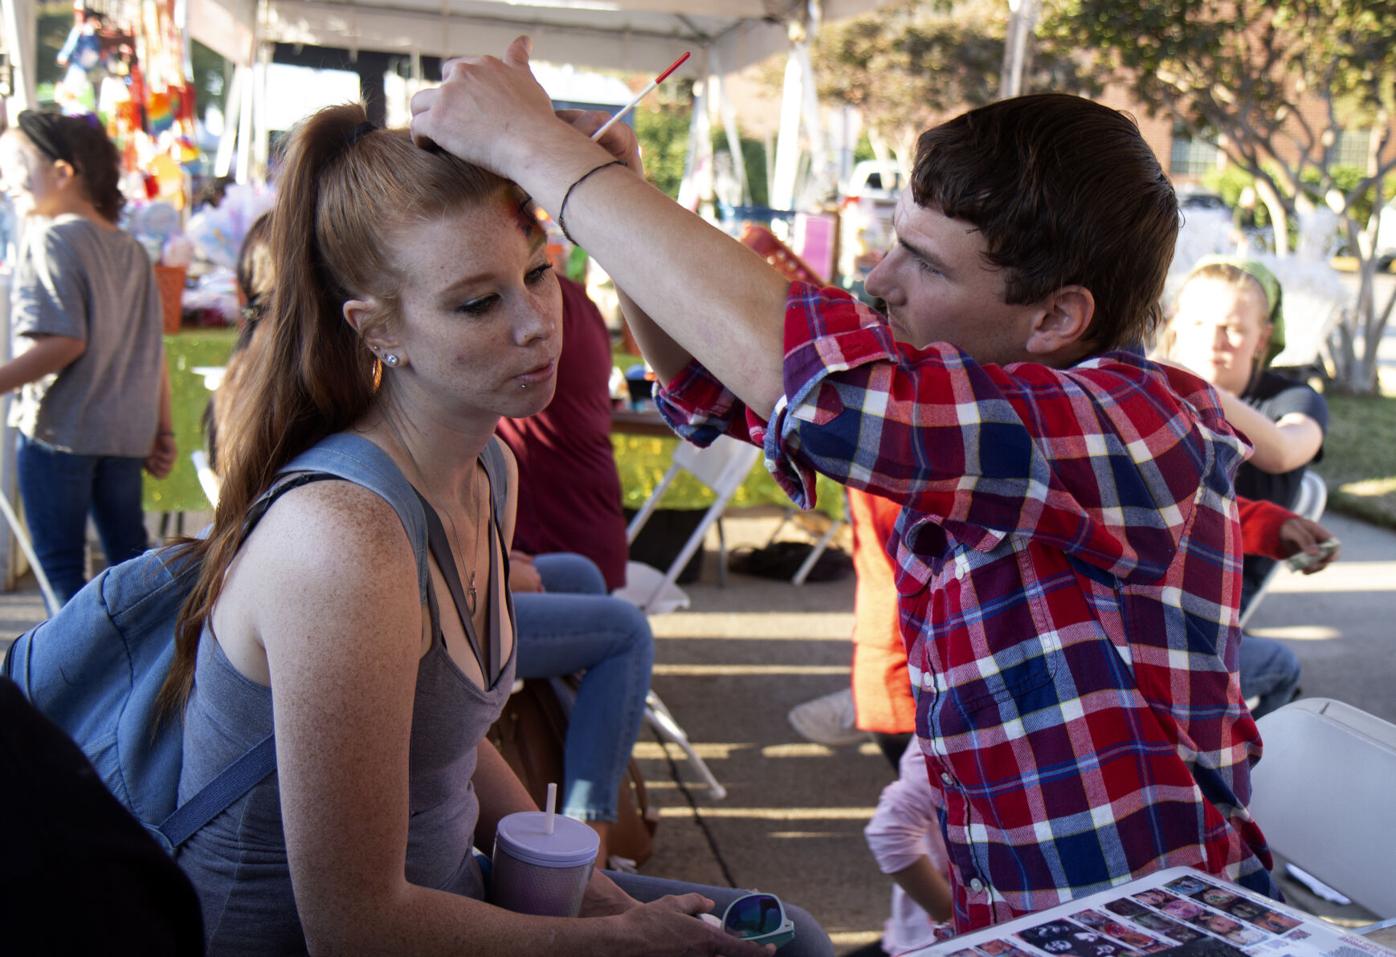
x,y
725,36
629,35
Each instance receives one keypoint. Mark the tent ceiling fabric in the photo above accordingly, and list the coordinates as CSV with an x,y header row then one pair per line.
x,y
637,35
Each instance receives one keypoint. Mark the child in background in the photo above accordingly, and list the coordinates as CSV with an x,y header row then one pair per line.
x,y
904,837
1228,326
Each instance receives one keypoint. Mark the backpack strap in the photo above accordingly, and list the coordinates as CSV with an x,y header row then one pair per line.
x,y
219,794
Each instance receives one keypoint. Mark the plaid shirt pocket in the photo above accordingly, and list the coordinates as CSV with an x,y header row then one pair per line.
x,y
1001,648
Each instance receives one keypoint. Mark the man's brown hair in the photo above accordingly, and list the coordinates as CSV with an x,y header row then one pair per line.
x,y
1065,192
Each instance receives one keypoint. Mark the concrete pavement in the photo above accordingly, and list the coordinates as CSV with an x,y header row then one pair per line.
x,y
732,665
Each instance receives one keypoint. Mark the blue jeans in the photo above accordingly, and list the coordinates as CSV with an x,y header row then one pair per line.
x,y
575,626
1268,670
59,489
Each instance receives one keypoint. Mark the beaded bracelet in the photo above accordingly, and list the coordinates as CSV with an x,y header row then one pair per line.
x,y
562,210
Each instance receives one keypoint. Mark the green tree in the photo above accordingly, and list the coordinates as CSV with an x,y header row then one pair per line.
x,y
661,125
1273,83
911,64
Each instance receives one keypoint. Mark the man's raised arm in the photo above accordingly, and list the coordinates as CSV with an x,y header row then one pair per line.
x,y
717,299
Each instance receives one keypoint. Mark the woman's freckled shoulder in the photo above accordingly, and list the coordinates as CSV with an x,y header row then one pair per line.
x,y
335,519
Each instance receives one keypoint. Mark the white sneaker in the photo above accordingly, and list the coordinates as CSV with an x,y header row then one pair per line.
x,y
827,720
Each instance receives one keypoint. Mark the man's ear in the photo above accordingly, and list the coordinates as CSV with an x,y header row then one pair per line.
x,y
363,316
1063,321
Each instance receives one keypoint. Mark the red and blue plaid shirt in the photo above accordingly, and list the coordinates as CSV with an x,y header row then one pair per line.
x,y
1068,565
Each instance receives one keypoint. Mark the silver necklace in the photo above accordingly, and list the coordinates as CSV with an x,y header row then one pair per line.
x,y
471,600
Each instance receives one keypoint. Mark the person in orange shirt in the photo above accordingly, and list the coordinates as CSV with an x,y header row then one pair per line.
x,y
881,701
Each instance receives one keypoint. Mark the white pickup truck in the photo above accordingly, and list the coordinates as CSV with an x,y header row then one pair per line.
x,y
1386,235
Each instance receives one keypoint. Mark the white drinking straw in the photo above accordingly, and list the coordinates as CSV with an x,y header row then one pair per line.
x,y
624,110
552,805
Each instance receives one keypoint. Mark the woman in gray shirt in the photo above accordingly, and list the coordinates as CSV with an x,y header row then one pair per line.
x,y
94,404
413,306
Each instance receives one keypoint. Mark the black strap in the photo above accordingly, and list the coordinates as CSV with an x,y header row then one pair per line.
x,y
444,556
497,473
489,658
219,794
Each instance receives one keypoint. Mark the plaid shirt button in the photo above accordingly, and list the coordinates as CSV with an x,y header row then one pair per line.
x,y
976,885
946,779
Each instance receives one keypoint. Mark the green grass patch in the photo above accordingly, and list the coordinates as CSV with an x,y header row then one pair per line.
x,y
184,351
1359,457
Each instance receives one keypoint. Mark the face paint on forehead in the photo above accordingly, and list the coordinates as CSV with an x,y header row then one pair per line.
x,y
525,219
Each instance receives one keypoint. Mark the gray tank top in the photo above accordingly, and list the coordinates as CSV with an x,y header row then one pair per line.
x,y
238,861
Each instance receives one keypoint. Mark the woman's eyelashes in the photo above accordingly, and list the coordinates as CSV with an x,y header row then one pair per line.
x,y
482,305
478,307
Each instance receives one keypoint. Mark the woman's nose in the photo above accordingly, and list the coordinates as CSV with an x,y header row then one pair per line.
x,y
536,323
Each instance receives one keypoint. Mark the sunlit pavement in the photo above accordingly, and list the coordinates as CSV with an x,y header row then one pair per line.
x,y
732,665
735,663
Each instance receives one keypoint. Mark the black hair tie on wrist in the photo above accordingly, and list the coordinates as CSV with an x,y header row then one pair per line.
x,y
44,130
562,210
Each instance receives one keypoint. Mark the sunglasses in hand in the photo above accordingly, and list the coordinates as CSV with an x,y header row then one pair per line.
x,y
759,918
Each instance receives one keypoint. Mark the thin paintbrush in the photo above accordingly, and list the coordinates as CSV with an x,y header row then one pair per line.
x,y
640,96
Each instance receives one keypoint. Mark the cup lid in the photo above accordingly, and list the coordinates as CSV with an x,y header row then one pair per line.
x,y
523,835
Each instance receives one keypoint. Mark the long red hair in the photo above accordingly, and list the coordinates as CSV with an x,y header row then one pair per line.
x,y
343,191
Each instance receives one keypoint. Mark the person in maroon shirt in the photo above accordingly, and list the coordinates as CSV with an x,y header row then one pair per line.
x,y
571,438
570,535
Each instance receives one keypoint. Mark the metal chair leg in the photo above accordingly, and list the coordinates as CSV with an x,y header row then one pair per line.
x,y
662,721
51,602
807,565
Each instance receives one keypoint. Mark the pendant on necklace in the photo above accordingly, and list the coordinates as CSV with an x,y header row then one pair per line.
x,y
470,594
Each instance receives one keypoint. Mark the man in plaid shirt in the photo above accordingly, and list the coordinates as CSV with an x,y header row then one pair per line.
x,y
1068,552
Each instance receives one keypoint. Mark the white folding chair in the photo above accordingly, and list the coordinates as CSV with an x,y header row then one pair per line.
x,y
820,546
208,478
1313,498
722,467
21,533
1322,793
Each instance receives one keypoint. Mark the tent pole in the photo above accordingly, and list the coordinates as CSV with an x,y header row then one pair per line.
x,y
697,185
729,126
788,138
261,133
232,119
244,134
20,44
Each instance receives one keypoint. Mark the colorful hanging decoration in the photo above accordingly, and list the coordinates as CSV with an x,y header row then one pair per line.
x,y
125,61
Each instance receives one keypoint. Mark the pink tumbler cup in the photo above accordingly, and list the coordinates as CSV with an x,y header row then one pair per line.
x,y
535,872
